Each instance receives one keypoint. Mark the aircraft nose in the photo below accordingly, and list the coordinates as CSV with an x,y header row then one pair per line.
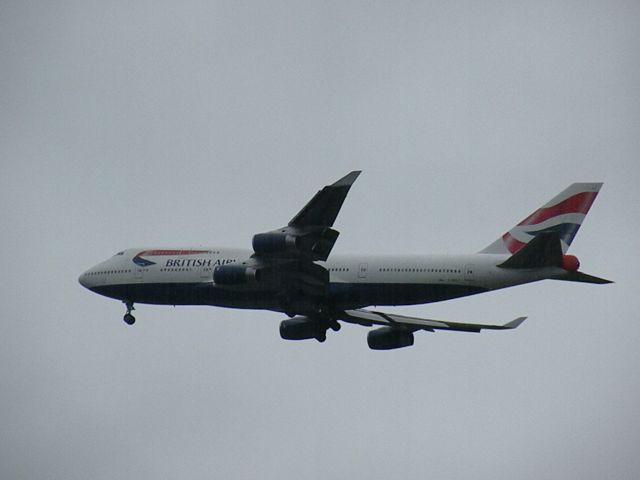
x,y
83,279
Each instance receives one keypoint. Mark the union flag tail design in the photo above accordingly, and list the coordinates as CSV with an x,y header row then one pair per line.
x,y
563,214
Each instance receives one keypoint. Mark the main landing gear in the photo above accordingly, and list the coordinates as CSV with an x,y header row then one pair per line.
x,y
325,325
326,321
128,318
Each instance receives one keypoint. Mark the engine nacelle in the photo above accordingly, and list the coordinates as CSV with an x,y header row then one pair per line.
x,y
299,328
235,275
314,243
388,338
275,242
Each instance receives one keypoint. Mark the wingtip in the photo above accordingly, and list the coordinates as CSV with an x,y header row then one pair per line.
x,y
514,323
348,179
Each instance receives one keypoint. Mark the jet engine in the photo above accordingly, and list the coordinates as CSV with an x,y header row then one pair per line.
x,y
313,243
388,338
235,275
300,328
275,242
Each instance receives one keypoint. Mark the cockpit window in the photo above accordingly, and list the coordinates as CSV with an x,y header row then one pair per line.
x,y
119,253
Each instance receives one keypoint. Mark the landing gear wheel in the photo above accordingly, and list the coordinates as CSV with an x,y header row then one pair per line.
x,y
129,319
321,337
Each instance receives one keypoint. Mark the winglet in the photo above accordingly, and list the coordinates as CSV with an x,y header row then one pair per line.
x,y
323,208
514,323
348,179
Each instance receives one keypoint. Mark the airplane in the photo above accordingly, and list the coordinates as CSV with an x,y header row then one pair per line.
x,y
289,271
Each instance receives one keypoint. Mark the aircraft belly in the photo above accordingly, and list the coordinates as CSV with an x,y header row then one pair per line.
x,y
353,295
342,295
186,294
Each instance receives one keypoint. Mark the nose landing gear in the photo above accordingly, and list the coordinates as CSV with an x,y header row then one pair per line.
x,y
128,318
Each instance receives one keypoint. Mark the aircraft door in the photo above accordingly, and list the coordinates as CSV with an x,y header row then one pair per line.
x,y
206,273
138,274
362,271
468,272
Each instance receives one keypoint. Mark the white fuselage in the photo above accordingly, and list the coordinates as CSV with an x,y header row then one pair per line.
x,y
291,270
183,276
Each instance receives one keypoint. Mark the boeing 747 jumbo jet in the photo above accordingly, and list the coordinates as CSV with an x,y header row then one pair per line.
x,y
289,271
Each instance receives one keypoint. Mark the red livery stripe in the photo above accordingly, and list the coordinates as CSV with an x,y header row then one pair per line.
x,y
579,203
511,243
160,253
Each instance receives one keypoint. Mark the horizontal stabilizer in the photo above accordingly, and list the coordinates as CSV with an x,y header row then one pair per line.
x,y
370,317
583,278
543,251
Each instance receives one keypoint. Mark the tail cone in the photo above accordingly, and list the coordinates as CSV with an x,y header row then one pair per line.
x,y
570,263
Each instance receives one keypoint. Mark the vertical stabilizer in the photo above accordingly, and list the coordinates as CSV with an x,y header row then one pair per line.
x,y
562,215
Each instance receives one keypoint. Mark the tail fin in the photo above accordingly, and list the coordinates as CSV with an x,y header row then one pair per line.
x,y
562,215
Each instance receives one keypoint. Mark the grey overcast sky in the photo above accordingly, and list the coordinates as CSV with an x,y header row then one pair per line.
x,y
201,123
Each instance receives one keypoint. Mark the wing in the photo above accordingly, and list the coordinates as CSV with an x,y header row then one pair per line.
x,y
283,259
370,317
308,235
323,208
